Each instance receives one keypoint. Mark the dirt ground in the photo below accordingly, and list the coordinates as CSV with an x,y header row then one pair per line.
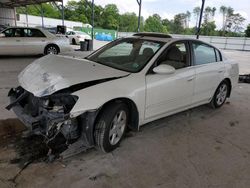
x,y
199,148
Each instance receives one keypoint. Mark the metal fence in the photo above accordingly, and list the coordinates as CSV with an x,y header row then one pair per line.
x,y
227,43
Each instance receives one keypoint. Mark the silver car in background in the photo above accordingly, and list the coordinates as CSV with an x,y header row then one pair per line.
x,y
31,41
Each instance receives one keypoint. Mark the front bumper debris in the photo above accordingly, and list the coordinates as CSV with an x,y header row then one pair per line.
x,y
53,120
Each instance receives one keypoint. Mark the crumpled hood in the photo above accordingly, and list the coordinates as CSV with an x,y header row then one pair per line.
x,y
52,73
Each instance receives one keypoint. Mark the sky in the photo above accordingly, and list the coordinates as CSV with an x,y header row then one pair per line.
x,y
168,8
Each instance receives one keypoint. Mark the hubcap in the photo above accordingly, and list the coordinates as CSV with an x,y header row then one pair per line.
x,y
222,94
117,127
52,50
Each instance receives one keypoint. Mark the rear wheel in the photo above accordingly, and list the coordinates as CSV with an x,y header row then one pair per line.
x,y
111,126
51,49
220,95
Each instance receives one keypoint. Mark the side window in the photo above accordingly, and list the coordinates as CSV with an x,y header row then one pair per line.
x,y
122,49
176,55
18,32
33,33
218,55
203,54
9,32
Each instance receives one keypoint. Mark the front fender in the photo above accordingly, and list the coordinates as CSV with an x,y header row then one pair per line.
x,y
94,97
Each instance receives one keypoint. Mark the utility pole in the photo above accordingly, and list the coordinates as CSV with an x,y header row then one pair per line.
x,y
62,13
26,12
93,16
200,20
139,16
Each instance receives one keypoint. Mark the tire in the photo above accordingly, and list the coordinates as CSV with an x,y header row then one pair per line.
x,y
73,41
109,130
220,95
51,49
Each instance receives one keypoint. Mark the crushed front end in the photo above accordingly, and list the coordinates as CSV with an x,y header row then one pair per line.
x,y
49,116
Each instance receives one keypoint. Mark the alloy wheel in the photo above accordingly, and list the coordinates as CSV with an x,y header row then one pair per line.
x,y
117,127
222,94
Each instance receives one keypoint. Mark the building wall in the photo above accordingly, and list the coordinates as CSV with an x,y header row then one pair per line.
x,y
35,21
7,17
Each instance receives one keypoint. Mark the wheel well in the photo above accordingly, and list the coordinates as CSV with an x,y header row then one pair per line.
x,y
230,86
133,112
52,44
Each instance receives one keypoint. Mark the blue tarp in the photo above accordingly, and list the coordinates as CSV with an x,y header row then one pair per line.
x,y
104,37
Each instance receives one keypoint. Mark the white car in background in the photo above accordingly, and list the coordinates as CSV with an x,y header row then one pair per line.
x,y
127,83
31,41
75,37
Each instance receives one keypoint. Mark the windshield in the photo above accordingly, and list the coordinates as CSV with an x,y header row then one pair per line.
x,y
130,54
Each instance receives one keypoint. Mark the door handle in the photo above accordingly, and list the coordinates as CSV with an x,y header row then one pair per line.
x,y
190,79
220,71
17,40
43,40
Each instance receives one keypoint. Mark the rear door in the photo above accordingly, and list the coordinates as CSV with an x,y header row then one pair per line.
x,y
209,70
12,42
34,41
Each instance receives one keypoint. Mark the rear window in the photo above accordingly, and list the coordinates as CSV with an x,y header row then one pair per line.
x,y
203,54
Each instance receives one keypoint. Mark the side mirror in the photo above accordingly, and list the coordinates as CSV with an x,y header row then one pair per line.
x,y
2,35
164,69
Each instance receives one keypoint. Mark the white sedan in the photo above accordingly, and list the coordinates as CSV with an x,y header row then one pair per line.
x,y
31,41
75,37
127,83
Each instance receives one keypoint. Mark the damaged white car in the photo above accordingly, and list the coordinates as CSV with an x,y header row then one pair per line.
x,y
92,101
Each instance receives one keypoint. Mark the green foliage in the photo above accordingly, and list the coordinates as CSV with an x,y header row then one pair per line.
x,y
247,31
208,28
154,24
110,17
49,10
128,22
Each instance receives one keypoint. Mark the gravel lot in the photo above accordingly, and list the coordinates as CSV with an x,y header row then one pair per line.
x,y
201,148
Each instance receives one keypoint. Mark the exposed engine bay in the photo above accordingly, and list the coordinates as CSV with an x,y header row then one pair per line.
x,y
49,116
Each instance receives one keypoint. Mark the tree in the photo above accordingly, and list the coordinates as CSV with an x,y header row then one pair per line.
x,y
247,31
196,12
179,23
188,16
154,24
110,17
49,10
208,28
223,10
235,22
209,14
128,22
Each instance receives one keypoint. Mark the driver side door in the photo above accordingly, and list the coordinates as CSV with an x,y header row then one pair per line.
x,y
12,42
170,93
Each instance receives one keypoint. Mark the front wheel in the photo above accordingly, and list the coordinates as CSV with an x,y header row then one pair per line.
x,y
111,126
220,95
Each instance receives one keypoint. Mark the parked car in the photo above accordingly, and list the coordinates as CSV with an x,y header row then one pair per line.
x,y
127,83
75,37
31,41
